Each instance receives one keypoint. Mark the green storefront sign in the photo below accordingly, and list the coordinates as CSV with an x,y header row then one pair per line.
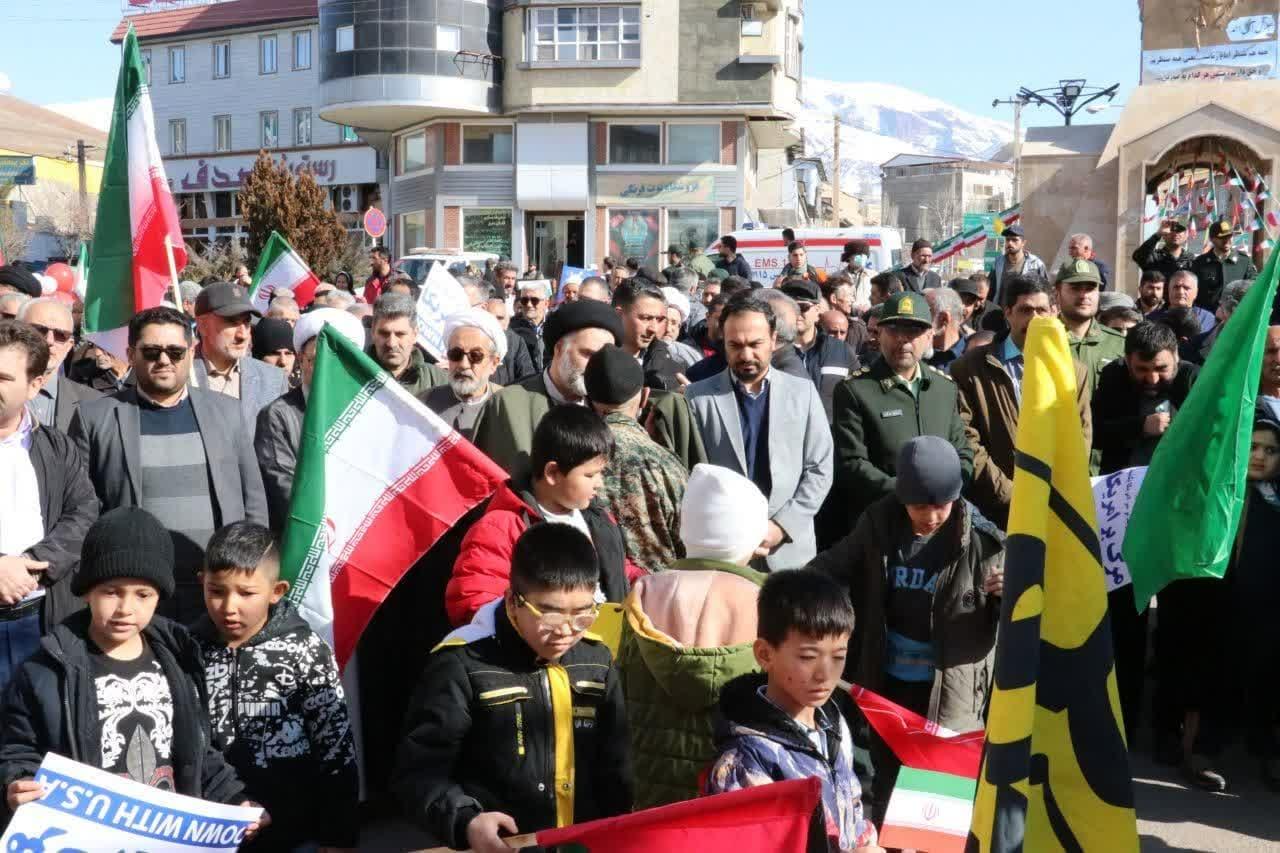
x,y
17,171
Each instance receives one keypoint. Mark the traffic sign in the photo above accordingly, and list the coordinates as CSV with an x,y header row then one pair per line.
x,y
375,222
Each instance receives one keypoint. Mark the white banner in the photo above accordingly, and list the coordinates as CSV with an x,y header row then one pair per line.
x,y
1113,497
84,808
441,296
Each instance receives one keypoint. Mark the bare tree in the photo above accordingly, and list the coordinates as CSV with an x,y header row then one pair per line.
x,y
14,237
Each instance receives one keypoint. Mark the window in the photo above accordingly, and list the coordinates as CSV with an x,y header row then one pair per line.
x,y
448,39
225,205
221,59
177,65
585,34
692,227
270,129
301,50
486,144
302,126
412,153
345,38
693,143
793,47
349,134
178,136
267,58
146,66
487,229
413,229
222,133
635,143
634,234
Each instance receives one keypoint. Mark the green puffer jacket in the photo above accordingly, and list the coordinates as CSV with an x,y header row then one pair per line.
x,y
672,688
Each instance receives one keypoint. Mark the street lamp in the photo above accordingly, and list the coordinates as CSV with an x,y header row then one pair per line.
x,y
1067,96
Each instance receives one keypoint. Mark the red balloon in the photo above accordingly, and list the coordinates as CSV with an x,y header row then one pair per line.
x,y
64,275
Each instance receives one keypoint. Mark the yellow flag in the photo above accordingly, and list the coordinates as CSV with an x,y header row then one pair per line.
x,y
1055,770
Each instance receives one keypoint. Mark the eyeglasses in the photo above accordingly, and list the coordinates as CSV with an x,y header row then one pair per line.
x,y
579,622
535,301
805,306
475,356
175,353
59,335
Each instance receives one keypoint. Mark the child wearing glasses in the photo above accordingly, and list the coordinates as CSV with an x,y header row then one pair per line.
x,y
571,447
518,723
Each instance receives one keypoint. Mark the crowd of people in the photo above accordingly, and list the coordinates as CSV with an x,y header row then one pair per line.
x,y
774,485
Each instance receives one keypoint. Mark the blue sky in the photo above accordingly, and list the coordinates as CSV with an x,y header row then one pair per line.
x,y
57,50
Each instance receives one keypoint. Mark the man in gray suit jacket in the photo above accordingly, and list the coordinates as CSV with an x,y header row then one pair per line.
x,y
56,401
180,453
222,362
770,427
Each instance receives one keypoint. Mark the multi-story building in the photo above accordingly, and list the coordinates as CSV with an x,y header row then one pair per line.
x,y
229,80
563,132
928,196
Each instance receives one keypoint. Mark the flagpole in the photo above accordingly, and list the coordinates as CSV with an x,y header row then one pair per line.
x,y
173,272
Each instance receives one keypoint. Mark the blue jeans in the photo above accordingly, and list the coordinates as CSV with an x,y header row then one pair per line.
x,y
19,638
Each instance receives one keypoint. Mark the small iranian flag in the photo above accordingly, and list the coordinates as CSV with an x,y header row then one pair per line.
x,y
137,241
380,479
929,811
280,267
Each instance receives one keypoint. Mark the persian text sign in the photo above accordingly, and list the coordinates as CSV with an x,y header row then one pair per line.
x,y
1113,497
666,189
441,296
85,808
346,164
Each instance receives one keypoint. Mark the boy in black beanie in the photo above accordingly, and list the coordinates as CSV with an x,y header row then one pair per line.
x,y
116,686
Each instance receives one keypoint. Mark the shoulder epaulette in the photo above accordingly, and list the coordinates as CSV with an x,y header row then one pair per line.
x,y
943,374
862,371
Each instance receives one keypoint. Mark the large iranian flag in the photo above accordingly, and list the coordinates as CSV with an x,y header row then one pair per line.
x,y
137,225
281,268
380,479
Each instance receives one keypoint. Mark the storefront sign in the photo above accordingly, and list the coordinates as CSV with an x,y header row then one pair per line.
x,y
346,165
487,229
17,171
664,189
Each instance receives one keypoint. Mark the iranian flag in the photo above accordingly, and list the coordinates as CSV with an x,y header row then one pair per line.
x,y
82,270
380,479
929,811
137,241
281,268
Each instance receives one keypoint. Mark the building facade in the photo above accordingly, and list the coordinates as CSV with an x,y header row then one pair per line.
x,y
928,196
231,79
561,133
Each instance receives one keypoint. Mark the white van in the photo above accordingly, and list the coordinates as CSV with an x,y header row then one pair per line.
x,y
420,259
766,251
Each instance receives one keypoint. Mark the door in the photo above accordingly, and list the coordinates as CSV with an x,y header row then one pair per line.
x,y
554,241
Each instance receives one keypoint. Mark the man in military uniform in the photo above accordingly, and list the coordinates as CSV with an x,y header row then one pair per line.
x,y
1171,256
1220,266
897,398
644,483
1094,345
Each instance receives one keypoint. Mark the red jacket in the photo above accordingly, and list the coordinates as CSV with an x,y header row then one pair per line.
x,y
482,571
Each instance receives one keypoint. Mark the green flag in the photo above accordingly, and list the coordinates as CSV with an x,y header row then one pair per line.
x,y
1185,517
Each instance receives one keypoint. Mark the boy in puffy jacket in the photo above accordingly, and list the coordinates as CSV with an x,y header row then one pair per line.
x,y
571,447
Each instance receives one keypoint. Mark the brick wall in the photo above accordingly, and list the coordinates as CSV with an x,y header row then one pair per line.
x,y
600,133
453,227
452,144
728,143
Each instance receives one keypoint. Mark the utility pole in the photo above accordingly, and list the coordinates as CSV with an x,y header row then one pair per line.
x,y
1018,102
84,188
835,179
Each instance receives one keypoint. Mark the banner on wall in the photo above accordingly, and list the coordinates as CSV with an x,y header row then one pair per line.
x,y
634,234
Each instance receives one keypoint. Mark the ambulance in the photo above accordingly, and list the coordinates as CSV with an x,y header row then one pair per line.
x,y
766,251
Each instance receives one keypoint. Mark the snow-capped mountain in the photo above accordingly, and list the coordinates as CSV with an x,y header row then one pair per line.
x,y
881,120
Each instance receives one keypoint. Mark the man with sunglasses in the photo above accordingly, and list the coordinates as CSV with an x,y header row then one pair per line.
x,y
827,360
178,452
476,346
56,401
532,300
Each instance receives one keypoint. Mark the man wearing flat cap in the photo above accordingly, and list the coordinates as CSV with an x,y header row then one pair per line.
x,y
1166,250
1220,266
898,397
223,321
474,348
643,483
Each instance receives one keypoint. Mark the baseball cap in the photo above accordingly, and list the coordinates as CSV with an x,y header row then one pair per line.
x,y
802,290
1078,271
226,299
1221,228
906,307
1013,231
965,285
1175,225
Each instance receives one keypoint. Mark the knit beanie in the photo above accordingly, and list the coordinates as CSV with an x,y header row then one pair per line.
x,y
613,376
723,515
928,471
127,542
270,336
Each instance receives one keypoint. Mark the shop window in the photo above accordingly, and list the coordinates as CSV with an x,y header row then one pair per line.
x,y
692,144
635,143
634,234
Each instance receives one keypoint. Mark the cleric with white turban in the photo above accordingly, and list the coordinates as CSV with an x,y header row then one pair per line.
x,y
477,318
475,345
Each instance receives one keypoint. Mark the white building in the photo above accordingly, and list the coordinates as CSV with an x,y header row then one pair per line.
x,y
231,79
